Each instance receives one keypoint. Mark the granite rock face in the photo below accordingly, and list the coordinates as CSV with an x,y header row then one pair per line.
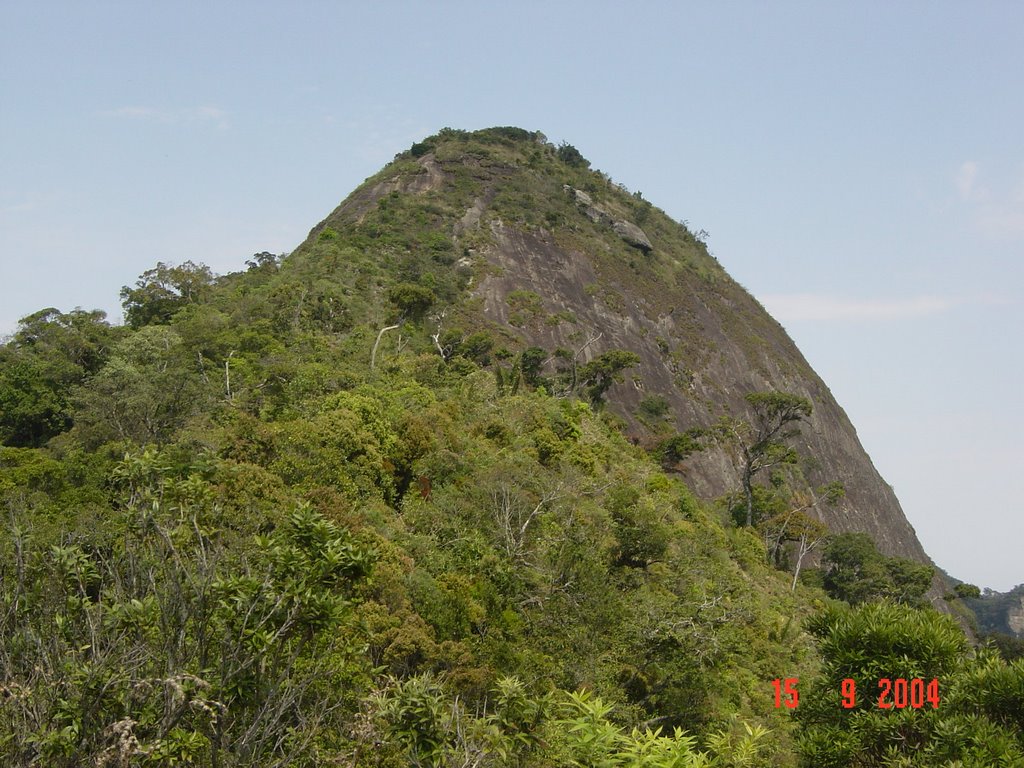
x,y
1015,617
703,341
701,390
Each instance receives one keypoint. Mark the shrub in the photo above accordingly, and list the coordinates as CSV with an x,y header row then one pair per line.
x,y
421,148
414,300
569,155
653,407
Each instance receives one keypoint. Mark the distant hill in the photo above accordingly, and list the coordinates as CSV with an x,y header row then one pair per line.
x,y
1001,612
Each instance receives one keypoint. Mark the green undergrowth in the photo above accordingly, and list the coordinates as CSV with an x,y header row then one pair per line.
x,y
496,536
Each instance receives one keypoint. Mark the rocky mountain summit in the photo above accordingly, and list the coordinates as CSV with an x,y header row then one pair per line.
x,y
556,256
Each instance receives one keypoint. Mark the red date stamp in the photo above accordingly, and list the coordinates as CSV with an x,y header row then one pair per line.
x,y
898,693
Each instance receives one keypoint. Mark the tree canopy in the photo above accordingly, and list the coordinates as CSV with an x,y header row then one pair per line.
x,y
856,572
163,290
761,442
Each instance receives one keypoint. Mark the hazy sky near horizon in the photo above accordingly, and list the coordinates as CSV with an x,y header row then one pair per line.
x,y
858,165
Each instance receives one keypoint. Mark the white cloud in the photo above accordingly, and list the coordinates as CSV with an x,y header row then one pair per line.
x,y
966,179
1004,218
209,113
996,215
201,114
808,306
1003,222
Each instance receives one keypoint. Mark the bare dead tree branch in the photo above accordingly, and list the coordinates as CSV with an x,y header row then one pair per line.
x,y
373,354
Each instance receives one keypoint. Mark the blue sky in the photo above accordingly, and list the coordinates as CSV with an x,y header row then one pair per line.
x,y
859,167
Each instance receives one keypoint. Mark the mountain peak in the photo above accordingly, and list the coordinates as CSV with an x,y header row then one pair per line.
x,y
521,241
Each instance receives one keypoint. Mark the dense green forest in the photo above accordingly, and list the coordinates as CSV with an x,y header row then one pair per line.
x,y
316,512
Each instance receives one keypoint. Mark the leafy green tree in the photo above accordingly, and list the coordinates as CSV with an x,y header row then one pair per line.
x,y
854,569
967,591
51,353
163,290
909,581
77,338
653,407
675,449
642,537
597,376
149,639
761,443
856,572
994,688
569,155
971,714
144,392
531,364
796,527
413,300
31,411
264,262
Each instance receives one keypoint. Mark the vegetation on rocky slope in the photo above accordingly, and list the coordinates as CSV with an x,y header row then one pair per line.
x,y
322,511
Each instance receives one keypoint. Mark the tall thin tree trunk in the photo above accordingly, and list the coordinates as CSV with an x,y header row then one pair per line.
x,y
373,354
748,492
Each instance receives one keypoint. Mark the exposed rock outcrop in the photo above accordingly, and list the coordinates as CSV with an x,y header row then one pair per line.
x,y
1015,617
627,230
633,235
